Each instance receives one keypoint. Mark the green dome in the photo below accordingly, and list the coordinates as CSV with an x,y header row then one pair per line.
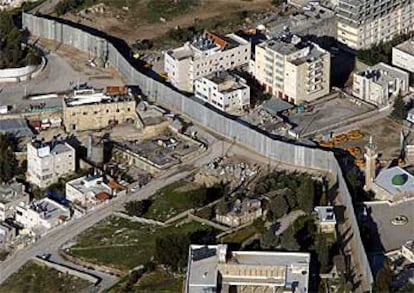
x,y
399,179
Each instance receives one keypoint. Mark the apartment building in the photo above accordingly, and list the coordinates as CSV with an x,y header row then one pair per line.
x,y
225,91
379,83
292,69
88,109
48,161
363,23
403,56
211,267
206,54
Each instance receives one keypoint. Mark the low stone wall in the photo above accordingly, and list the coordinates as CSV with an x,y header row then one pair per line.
x,y
139,219
208,222
95,267
68,270
21,73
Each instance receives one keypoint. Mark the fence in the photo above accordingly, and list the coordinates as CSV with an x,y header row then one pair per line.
x,y
108,50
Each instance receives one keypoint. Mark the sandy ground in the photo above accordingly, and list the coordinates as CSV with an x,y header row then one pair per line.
x,y
132,24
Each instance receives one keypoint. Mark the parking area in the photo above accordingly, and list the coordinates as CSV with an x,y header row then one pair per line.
x,y
326,114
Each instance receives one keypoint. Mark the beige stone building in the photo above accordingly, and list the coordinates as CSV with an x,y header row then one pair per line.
x,y
292,69
363,23
214,268
206,54
88,109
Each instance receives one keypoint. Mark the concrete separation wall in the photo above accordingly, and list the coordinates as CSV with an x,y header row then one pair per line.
x,y
68,270
274,148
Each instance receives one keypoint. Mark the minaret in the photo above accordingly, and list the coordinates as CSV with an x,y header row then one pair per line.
x,y
370,160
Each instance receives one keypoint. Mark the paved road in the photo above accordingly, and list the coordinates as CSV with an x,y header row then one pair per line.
x,y
51,242
55,78
288,220
107,280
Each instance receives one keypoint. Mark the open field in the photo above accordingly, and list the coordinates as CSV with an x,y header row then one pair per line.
x,y
122,244
33,277
141,19
158,280
179,197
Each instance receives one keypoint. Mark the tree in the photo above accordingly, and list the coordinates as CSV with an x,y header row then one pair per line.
x,y
288,239
400,110
323,253
384,278
137,207
171,250
306,194
269,240
8,162
279,207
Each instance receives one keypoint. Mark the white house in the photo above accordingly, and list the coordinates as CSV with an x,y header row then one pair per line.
x,y
379,83
87,190
42,215
224,91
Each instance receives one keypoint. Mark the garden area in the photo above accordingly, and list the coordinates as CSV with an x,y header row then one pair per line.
x,y
174,199
35,277
12,53
122,244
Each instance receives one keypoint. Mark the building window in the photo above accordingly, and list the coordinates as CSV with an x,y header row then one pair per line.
x,y
107,111
85,113
117,110
129,109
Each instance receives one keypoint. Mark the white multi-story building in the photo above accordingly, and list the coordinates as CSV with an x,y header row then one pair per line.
x,y
206,54
42,215
87,190
292,69
48,161
363,23
10,196
211,267
378,84
224,91
403,56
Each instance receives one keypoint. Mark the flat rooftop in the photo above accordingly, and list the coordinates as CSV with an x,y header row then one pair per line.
x,y
407,47
11,193
253,267
55,146
395,180
383,214
285,44
89,96
326,214
17,127
49,209
151,151
203,270
227,82
90,184
208,42
382,73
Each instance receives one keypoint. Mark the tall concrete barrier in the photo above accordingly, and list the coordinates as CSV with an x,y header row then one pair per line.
x,y
101,46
